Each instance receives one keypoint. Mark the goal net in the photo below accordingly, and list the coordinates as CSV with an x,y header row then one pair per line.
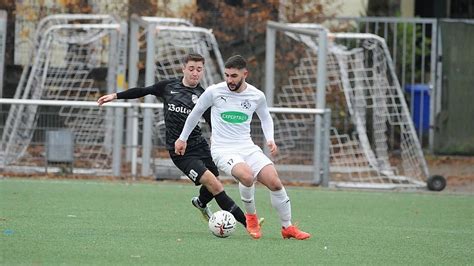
x,y
161,44
73,57
372,141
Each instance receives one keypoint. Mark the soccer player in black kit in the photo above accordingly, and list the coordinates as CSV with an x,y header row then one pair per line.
x,y
179,97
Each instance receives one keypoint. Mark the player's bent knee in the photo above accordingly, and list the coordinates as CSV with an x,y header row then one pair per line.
x,y
247,181
273,184
275,187
243,173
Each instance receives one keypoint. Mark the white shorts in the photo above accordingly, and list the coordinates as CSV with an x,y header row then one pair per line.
x,y
227,158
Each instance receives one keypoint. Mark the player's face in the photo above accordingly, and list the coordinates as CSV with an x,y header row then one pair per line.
x,y
193,72
235,78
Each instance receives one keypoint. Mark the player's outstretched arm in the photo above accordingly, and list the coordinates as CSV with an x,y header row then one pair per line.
x,y
134,93
107,98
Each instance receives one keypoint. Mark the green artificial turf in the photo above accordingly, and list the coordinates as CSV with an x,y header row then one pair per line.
x,y
93,222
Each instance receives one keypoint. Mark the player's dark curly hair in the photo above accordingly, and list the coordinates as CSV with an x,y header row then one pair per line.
x,y
193,57
236,61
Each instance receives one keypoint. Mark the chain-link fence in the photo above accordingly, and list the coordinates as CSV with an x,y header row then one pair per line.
x,y
239,27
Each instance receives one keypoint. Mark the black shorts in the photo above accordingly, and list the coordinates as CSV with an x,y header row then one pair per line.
x,y
195,162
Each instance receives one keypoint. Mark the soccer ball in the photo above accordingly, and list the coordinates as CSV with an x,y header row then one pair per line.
x,y
222,224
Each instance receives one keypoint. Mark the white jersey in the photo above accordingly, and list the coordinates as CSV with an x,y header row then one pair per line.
x,y
231,115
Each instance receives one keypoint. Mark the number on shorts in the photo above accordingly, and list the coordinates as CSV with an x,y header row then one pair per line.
x,y
193,174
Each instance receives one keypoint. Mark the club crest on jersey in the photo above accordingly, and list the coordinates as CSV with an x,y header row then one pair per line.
x,y
245,104
194,98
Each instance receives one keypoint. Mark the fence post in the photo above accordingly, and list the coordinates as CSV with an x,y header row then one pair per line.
x,y
320,104
120,39
435,85
325,147
147,117
132,83
270,65
3,37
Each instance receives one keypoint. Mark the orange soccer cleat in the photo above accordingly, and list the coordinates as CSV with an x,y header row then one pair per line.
x,y
293,231
253,226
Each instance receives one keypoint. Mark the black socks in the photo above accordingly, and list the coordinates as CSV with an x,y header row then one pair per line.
x,y
227,204
204,196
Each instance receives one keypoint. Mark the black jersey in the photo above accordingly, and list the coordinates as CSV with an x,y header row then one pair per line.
x,y
178,102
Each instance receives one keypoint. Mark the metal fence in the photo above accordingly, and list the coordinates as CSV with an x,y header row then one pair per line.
x,y
35,158
166,40
412,43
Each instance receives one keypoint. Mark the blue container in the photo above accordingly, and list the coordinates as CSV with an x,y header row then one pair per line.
x,y
419,105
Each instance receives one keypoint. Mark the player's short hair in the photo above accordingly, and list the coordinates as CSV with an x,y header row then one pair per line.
x,y
193,57
236,61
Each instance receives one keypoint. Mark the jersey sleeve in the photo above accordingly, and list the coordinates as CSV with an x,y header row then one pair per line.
x,y
207,117
160,87
133,93
266,119
203,104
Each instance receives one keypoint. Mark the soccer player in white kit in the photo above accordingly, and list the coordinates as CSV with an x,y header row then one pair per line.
x,y
233,104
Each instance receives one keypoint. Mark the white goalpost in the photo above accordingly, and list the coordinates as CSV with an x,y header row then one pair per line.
x,y
158,45
71,56
373,142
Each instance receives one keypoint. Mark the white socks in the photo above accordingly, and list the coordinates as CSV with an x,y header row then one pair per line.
x,y
282,205
279,200
247,197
